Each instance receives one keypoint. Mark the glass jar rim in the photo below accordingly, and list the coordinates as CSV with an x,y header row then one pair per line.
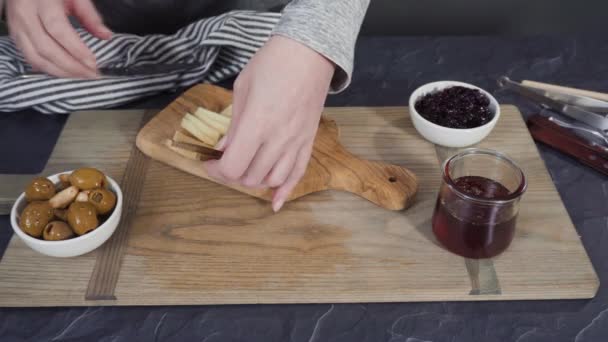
x,y
513,196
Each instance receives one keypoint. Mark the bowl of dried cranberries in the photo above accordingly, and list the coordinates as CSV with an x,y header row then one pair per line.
x,y
453,114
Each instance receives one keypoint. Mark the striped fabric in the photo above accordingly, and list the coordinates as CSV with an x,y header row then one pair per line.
x,y
222,46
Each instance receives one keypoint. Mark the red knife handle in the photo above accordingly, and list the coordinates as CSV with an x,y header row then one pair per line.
x,y
561,139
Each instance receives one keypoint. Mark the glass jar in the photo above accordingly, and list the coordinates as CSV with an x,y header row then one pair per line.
x,y
478,203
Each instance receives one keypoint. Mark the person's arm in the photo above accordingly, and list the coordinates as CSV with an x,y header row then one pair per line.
x,y
330,27
279,96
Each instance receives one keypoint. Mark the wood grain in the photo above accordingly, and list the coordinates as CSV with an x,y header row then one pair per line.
x,y
109,257
102,138
331,166
196,242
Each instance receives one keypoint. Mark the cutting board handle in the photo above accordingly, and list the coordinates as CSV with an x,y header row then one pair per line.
x,y
390,186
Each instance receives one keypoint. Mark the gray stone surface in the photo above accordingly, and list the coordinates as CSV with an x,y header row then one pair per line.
x,y
387,71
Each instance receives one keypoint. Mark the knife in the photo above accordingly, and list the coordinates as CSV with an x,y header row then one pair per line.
x,y
134,70
212,153
593,115
548,131
194,152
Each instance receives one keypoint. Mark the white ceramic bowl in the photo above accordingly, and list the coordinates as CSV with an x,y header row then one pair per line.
x,y
75,246
445,136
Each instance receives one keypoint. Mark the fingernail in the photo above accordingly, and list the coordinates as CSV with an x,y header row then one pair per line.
x,y
106,31
276,206
221,144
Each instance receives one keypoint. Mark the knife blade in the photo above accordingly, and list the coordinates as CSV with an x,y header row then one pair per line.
x,y
148,69
134,70
548,100
193,152
209,152
586,103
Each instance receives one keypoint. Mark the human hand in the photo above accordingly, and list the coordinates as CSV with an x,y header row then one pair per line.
x,y
278,100
42,31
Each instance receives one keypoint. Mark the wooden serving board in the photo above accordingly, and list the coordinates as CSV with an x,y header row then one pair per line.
x,y
196,242
331,166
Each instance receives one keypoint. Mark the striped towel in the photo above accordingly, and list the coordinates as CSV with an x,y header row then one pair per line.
x,y
221,46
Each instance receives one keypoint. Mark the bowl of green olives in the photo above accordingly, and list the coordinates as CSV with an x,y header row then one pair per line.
x,y
69,213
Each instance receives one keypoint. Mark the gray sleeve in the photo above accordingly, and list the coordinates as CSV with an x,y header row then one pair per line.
x,y
329,27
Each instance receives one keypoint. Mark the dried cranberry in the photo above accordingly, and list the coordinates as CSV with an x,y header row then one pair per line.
x,y
456,107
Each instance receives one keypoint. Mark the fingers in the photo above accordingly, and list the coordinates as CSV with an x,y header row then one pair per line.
x,y
264,160
281,170
89,17
55,54
43,33
57,25
255,153
37,61
214,167
240,143
299,169
241,92
237,156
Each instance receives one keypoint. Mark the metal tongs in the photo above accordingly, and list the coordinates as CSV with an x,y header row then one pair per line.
x,y
577,138
591,114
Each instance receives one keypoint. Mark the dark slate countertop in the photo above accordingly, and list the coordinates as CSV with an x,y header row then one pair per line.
x,y
387,71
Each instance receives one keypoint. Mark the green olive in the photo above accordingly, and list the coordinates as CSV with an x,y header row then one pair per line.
x,y
103,200
40,189
57,230
35,217
82,217
87,178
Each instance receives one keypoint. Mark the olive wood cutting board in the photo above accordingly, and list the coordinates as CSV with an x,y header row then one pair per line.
x,y
191,241
331,166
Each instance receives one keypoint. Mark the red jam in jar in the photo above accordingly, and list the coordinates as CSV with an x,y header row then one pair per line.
x,y
475,215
